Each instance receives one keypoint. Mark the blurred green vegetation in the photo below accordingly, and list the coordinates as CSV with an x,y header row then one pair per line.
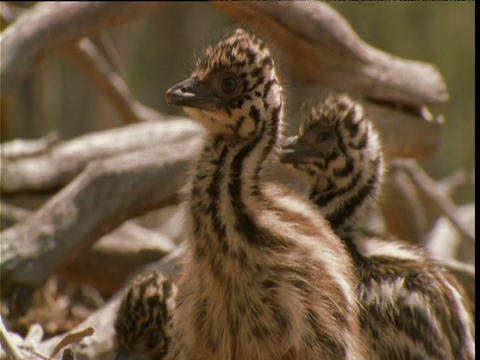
x,y
158,50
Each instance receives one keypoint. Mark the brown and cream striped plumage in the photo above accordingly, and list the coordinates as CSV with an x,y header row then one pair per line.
x,y
143,327
412,308
265,277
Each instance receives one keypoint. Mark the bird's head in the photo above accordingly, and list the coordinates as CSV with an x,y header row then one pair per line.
x,y
233,88
142,326
332,139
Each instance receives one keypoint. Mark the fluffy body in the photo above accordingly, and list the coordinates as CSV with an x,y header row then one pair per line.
x,y
265,277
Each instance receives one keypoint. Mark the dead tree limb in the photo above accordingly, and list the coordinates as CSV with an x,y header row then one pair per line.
x,y
20,148
11,350
401,208
62,162
404,134
125,250
327,51
437,200
46,27
90,60
104,195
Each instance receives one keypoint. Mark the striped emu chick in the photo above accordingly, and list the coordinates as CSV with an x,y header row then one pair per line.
x,y
143,325
412,308
265,277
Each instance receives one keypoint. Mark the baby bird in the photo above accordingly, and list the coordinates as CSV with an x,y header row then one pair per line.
x,y
143,325
264,277
411,307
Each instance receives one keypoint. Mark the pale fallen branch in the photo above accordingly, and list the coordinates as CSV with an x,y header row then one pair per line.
x,y
11,350
401,209
12,214
104,195
63,161
20,148
125,250
434,196
404,134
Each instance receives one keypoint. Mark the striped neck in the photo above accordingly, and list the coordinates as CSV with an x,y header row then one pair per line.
x,y
227,185
345,195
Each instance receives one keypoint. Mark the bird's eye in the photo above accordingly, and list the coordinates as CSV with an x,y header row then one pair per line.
x,y
324,136
229,85
152,341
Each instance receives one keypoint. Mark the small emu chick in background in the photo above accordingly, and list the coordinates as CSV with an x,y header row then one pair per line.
x,y
411,307
143,325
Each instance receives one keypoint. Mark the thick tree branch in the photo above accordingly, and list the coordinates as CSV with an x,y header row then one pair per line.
x,y
434,196
104,195
62,162
48,26
326,51
404,134
401,208
125,250
20,148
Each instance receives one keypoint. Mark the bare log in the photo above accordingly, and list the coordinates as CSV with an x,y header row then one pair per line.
x,y
12,214
326,51
11,350
104,195
20,148
404,134
62,162
125,250
48,26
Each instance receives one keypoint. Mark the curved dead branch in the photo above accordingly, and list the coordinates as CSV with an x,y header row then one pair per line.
x,y
125,250
434,196
46,27
60,163
327,51
91,61
104,195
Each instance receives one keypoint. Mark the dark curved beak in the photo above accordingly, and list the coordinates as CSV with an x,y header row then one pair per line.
x,y
293,151
193,93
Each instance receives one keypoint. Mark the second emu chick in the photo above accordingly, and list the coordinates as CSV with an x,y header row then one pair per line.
x,y
143,327
265,277
411,307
